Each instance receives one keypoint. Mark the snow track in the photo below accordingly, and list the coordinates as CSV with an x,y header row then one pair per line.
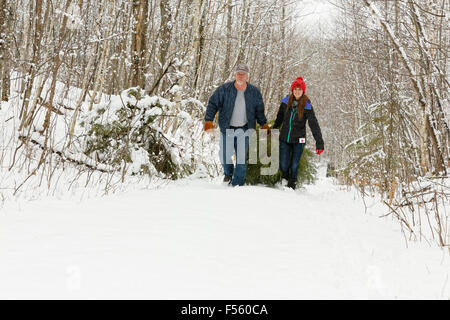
x,y
197,239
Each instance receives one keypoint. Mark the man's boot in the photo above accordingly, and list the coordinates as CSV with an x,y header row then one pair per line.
x,y
228,179
292,184
284,178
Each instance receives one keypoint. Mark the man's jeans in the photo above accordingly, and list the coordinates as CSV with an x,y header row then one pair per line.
x,y
290,154
234,140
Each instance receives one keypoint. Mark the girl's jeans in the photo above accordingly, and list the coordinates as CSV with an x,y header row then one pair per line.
x,y
290,154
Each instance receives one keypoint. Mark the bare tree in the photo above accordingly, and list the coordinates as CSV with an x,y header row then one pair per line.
x,y
5,44
138,46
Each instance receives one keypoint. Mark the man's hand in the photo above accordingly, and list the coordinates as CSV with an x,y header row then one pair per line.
x,y
266,127
208,126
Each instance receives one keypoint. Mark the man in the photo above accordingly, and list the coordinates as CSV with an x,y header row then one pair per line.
x,y
240,105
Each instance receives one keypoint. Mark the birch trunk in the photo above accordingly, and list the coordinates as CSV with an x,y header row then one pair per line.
x,y
283,49
84,83
432,97
140,13
5,68
36,45
198,4
226,67
98,83
28,119
199,52
49,105
165,31
413,78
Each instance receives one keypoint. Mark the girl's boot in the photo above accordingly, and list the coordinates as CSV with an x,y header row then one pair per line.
x,y
292,183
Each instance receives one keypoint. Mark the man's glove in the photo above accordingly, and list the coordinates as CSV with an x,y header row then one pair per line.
x,y
208,126
319,151
266,127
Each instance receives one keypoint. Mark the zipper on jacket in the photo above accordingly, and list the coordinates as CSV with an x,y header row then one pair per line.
x,y
290,123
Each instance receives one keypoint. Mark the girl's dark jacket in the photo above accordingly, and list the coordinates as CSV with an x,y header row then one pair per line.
x,y
293,129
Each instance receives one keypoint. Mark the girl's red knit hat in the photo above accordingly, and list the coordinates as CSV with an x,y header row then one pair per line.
x,y
298,83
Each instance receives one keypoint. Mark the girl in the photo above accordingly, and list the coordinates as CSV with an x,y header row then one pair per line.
x,y
294,111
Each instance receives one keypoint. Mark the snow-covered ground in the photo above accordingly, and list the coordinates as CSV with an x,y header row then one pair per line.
x,y
198,239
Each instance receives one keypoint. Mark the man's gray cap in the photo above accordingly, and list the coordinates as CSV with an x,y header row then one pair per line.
x,y
242,68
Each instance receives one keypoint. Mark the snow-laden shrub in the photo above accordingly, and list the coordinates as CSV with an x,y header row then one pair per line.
x,y
123,133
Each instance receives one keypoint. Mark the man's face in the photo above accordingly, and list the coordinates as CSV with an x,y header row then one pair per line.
x,y
241,77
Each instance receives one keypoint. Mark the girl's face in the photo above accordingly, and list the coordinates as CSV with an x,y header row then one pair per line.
x,y
297,93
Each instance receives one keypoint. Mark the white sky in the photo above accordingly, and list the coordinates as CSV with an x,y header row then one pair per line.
x,y
315,13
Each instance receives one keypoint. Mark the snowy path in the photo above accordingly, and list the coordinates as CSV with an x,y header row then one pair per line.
x,y
200,240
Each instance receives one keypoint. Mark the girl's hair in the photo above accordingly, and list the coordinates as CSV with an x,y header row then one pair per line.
x,y
301,104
